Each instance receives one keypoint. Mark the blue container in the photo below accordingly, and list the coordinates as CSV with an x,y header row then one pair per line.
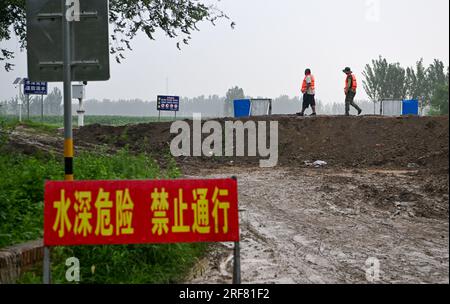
x,y
410,107
242,108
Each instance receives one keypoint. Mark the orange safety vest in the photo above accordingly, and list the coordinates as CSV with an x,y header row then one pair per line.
x,y
354,83
305,85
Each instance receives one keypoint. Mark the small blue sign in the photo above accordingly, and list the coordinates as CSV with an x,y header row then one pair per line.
x,y
168,103
35,88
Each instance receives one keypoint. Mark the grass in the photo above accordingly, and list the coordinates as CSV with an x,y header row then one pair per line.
x,y
21,218
57,121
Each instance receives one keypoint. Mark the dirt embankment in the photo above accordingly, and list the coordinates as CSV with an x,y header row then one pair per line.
x,y
348,142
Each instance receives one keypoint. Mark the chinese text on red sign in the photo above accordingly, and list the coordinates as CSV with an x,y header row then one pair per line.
x,y
139,212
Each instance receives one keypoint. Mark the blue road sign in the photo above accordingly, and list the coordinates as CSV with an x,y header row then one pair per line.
x,y
34,88
168,103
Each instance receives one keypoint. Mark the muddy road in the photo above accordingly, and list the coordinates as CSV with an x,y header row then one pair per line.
x,y
322,226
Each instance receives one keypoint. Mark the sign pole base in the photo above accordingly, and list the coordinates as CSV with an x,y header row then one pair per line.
x,y
237,258
46,267
237,264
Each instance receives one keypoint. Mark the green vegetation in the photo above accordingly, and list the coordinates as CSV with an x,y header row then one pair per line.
x,y
21,218
21,196
439,101
384,80
57,121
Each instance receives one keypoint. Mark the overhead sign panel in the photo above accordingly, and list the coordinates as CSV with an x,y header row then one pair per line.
x,y
90,41
140,212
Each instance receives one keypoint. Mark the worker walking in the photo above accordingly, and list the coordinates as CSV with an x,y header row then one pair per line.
x,y
309,91
350,91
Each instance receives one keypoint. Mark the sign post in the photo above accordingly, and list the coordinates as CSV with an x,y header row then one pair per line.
x,y
236,258
67,79
67,42
141,212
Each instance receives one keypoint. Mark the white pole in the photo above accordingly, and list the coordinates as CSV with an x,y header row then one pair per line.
x,y
19,103
80,113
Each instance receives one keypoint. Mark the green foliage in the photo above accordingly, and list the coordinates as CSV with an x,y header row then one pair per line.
x,y
12,20
54,121
122,165
4,132
38,126
130,264
21,219
53,103
439,101
417,82
232,94
384,80
21,196
23,178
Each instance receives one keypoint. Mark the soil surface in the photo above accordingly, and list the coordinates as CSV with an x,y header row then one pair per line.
x,y
322,226
346,142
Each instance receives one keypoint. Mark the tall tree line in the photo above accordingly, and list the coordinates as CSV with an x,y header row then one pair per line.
x,y
384,80
52,104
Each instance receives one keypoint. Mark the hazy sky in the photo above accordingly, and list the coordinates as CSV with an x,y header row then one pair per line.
x,y
272,44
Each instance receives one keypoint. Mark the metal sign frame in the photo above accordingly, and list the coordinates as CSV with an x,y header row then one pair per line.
x,y
89,40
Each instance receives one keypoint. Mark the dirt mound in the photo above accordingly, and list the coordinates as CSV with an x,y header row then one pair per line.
x,y
368,141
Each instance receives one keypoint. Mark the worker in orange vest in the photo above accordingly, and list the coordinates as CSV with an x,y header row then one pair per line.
x,y
309,91
350,91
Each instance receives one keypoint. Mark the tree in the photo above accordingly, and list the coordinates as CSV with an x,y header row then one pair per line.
x,y
440,97
232,94
53,102
375,78
439,101
176,18
383,80
416,82
395,87
436,73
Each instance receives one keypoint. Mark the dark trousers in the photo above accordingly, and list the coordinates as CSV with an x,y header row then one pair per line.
x,y
349,101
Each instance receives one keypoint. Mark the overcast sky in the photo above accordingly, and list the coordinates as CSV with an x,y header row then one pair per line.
x,y
272,44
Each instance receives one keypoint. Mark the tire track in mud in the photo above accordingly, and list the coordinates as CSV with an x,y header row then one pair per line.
x,y
319,226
